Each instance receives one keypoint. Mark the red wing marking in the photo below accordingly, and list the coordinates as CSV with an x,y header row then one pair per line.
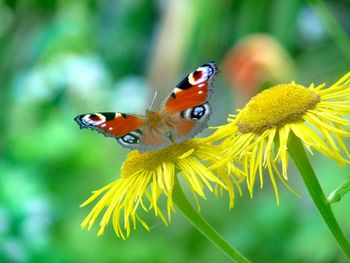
x,y
185,99
121,126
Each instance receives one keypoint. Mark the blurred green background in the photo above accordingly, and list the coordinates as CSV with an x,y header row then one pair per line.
x,y
62,58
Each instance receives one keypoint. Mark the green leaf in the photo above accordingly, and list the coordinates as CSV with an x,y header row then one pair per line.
x,y
338,193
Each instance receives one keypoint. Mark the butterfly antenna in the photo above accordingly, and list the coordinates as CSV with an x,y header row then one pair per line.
x,y
154,98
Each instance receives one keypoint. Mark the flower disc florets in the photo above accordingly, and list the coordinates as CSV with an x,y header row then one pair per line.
x,y
276,106
152,160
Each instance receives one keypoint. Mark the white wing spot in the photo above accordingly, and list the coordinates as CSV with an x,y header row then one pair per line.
x,y
110,128
176,90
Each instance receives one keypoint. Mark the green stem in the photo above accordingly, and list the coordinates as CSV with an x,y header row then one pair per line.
x,y
301,160
203,226
340,37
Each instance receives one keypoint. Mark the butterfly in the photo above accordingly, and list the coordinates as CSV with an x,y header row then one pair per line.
x,y
182,115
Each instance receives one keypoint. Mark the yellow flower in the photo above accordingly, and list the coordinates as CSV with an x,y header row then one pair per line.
x,y
146,177
258,135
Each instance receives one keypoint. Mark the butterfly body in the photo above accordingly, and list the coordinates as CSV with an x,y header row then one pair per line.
x,y
182,115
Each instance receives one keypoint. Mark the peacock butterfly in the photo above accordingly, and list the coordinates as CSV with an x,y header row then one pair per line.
x,y
182,115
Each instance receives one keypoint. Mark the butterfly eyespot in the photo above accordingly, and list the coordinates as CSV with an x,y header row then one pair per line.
x,y
92,119
130,138
196,113
202,74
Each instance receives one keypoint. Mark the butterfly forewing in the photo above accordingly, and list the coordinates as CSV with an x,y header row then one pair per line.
x,y
195,89
112,124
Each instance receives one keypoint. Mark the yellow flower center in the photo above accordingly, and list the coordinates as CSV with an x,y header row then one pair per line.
x,y
276,106
137,161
